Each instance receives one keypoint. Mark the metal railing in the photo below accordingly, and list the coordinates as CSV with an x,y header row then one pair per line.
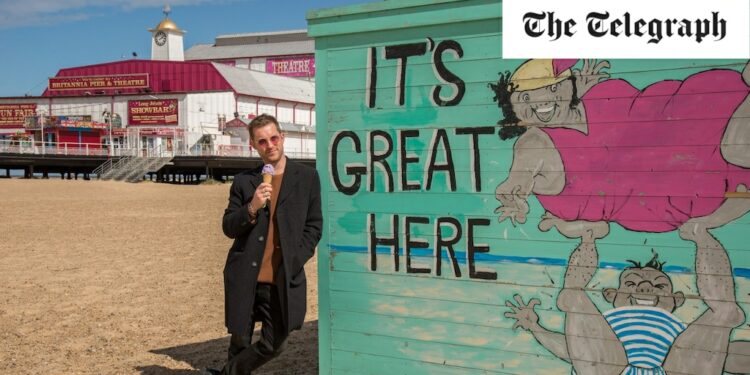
x,y
103,168
236,151
132,168
96,149
52,148
108,173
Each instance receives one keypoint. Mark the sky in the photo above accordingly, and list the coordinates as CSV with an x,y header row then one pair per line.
x,y
40,37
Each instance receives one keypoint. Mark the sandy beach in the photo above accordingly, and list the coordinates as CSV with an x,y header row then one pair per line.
x,y
117,278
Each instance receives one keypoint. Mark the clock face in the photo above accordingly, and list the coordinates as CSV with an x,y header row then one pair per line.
x,y
160,38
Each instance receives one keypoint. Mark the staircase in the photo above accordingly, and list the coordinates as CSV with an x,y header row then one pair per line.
x,y
145,165
107,170
133,168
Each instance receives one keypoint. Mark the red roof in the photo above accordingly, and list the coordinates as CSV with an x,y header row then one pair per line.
x,y
163,76
237,123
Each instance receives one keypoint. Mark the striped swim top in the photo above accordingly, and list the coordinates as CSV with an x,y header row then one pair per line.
x,y
647,334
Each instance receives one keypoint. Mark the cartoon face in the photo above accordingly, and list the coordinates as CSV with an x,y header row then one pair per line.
x,y
544,106
645,287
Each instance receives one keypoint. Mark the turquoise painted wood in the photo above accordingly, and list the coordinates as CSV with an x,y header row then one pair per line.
x,y
439,233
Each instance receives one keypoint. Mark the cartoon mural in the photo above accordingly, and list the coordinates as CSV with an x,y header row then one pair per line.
x,y
626,159
671,157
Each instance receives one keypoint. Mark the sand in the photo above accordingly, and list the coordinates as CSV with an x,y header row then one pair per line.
x,y
116,278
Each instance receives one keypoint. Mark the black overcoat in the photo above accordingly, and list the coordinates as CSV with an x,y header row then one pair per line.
x,y
299,221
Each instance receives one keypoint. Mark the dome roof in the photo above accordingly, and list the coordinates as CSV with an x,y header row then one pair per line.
x,y
167,24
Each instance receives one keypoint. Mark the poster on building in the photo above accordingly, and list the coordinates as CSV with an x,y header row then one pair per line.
x,y
302,66
13,115
120,81
152,112
73,121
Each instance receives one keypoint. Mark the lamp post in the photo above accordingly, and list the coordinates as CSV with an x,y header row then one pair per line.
x,y
302,141
111,145
41,123
109,117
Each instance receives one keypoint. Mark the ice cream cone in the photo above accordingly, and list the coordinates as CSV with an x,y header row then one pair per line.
x,y
267,174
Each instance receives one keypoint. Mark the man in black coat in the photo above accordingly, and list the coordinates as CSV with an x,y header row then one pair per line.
x,y
276,227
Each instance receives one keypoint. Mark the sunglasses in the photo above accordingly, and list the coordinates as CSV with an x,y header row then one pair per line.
x,y
274,140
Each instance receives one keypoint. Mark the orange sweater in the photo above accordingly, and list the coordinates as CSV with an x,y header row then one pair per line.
x,y
272,253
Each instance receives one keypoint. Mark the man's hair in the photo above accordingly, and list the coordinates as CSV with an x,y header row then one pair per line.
x,y
653,263
262,121
503,89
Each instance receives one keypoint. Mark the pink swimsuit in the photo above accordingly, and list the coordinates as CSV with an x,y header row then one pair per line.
x,y
652,158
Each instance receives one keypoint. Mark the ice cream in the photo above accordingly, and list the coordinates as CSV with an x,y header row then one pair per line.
x,y
267,173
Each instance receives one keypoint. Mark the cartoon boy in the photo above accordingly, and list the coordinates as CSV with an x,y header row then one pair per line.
x,y
641,319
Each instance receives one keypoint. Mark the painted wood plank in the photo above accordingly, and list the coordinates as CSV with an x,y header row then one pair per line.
x,y
438,14
496,292
473,41
416,96
482,115
489,316
368,8
467,337
469,357
345,361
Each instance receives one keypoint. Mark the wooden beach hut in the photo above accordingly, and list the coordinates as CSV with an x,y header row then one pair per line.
x,y
456,243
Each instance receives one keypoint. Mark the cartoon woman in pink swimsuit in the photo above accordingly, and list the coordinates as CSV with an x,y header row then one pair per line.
x,y
673,156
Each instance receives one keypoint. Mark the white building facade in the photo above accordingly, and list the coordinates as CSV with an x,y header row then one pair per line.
x,y
162,105
288,53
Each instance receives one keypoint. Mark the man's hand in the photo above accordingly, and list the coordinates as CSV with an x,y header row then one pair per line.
x,y
524,314
591,74
262,194
513,204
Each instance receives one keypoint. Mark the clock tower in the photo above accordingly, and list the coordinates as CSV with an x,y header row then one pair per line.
x,y
166,40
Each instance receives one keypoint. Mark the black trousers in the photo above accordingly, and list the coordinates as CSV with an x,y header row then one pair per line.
x,y
245,356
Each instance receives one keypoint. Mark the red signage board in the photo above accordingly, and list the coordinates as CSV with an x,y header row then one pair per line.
x,y
14,115
301,66
160,131
122,81
74,122
152,112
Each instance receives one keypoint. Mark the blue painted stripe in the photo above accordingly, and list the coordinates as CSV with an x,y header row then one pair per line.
x,y
644,362
632,370
643,352
643,365
491,258
632,312
635,311
460,255
626,335
671,331
646,342
742,272
667,330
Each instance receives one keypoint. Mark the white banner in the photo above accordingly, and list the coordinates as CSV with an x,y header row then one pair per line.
x,y
626,29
